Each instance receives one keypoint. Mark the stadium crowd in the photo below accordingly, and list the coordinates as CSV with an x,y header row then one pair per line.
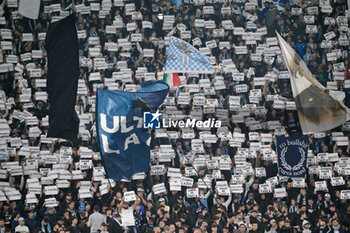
x,y
200,180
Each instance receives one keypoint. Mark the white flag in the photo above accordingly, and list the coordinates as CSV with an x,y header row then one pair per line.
x,y
318,109
29,8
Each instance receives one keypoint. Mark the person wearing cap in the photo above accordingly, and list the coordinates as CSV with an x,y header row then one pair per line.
x,y
162,204
141,194
118,227
326,204
183,158
51,214
179,145
103,228
250,201
96,219
21,226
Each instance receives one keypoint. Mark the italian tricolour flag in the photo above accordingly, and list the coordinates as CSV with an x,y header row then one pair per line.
x,y
172,79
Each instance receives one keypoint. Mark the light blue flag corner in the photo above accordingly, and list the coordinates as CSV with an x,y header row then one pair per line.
x,y
184,58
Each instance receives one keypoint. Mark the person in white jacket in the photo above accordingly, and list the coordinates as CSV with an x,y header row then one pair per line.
x,y
306,227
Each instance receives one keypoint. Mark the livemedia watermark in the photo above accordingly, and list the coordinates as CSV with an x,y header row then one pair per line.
x,y
154,120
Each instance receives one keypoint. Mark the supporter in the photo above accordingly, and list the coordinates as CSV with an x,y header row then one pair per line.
x,y
2,226
31,222
103,228
21,226
306,227
96,219
88,202
74,228
272,227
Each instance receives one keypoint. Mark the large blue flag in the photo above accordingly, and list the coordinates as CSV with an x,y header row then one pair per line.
x,y
292,155
124,144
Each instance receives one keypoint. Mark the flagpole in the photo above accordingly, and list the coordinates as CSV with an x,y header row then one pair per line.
x,y
98,141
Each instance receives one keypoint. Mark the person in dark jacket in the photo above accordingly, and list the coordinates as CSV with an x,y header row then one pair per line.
x,y
322,226
45,225
255,227
119,228
51,214
113,226
286,228
83,220
74,228
31,222
336,227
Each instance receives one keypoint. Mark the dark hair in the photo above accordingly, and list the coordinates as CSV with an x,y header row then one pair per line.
x,y
176,207
82,213
46,219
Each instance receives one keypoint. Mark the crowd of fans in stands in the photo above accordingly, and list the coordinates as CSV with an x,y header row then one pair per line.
x,y
28,158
